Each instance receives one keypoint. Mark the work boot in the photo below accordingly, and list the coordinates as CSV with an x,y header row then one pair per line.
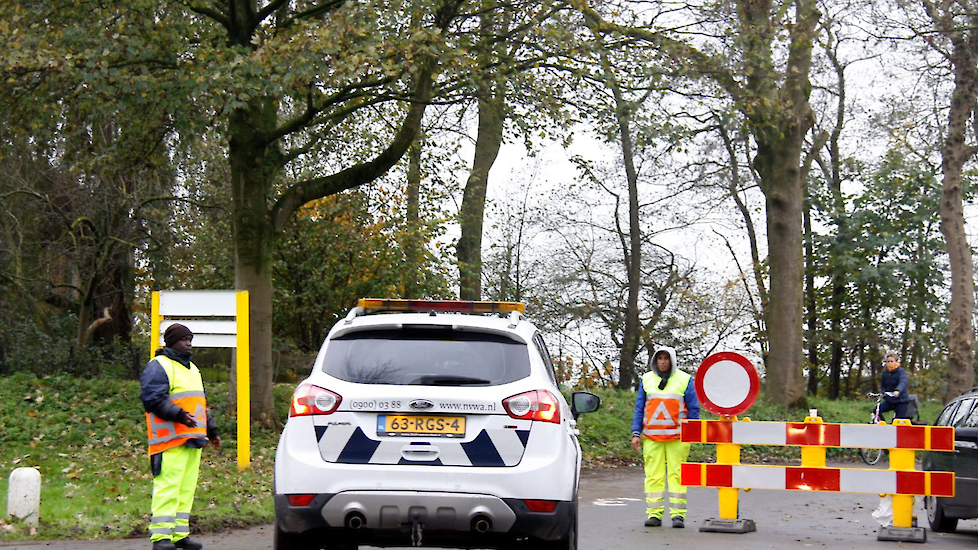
x,y
653,522
678,522
164,544
188,544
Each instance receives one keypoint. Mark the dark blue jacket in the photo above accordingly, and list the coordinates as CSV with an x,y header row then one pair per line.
x,y
896,380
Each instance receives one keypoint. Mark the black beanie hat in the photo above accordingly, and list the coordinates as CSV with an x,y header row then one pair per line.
x,y
174,333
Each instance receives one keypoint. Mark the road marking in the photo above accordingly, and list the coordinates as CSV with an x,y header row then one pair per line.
x,y
623,501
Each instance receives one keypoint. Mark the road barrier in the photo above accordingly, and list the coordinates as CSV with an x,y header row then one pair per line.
x,y
902,480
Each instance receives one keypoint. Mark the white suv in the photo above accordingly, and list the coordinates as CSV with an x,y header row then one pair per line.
x,y
427,426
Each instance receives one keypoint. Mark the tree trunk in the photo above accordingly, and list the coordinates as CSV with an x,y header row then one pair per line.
x,y
256,160
631,339
871,337
784,198
631,241
779,119
840,245
492,116
115,292
960,332
472,211
413,243
811,305
254,165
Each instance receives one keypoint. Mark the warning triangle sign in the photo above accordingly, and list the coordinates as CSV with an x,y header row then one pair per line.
x,y
661,416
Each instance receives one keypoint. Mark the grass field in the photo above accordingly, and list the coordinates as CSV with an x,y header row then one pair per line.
x,y
87,438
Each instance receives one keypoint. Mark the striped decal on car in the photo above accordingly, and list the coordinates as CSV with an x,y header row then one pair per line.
x,y
493,447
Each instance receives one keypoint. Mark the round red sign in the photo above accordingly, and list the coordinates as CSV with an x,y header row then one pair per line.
x,y
727,383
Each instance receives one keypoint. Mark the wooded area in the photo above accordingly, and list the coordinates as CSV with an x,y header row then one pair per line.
x,y
788,179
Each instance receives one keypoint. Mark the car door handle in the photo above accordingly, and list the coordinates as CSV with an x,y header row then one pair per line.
x,y
420,453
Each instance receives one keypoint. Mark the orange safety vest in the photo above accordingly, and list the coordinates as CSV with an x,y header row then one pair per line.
x,y
665,409
186,392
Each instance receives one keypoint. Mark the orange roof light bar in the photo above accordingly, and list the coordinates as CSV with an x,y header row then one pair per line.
x,y
461,306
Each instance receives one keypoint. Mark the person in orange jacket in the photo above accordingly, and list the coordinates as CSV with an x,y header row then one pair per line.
x,y
178,427
665,397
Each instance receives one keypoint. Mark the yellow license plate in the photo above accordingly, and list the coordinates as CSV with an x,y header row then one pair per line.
x,y
409,425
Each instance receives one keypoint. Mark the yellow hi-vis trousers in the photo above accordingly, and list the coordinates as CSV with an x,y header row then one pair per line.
x,y
173,494
661,457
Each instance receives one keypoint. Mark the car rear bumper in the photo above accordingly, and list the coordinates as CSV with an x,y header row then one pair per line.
x,y
449,517
548,470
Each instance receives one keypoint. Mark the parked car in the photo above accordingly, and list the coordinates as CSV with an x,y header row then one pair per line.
x,y
430,423
944,512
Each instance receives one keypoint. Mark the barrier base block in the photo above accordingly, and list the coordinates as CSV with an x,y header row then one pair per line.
x,y
902,534
740,526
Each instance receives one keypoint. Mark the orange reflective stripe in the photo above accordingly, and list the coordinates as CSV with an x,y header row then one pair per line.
x,y
166,434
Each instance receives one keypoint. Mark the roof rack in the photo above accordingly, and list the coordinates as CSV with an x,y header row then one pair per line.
x,y
367,306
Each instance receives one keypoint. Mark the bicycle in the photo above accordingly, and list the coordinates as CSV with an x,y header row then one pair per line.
x,y
872,456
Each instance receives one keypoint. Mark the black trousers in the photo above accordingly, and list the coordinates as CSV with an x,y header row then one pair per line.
x,y
899,409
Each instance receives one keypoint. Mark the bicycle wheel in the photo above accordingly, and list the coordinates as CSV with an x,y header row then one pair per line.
x,y
871,456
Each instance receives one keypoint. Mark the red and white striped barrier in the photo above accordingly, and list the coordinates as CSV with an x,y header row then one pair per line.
x,y
796,478
727,384
918,438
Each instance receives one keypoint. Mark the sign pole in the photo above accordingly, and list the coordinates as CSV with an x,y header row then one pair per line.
x,y
244,381
154,329
728,453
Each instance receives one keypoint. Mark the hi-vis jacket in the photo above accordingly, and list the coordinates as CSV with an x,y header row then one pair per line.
x,y
658,413
171,384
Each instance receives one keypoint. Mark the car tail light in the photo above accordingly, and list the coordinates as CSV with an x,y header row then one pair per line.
x,y
300,500
312,400
533,405
541,506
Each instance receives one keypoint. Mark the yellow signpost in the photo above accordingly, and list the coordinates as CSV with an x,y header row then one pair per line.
x,y
218,319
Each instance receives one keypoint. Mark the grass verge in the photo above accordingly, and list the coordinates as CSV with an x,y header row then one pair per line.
x,y
87,438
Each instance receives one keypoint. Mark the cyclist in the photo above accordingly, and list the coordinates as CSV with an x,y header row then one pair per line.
x,y
893,386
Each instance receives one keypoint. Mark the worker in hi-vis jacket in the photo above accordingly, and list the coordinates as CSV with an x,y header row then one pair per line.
x,y
178,427
665,397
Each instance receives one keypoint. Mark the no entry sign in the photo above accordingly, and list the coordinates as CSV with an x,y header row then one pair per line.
x,y
727,383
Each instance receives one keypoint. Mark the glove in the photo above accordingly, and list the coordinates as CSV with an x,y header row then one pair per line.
x,y
186,419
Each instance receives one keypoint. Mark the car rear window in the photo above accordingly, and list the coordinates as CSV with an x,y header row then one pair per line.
x,y
961,413
426,356
945,415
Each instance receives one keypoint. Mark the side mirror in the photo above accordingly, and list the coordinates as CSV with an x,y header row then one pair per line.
x,y
584,402
966,434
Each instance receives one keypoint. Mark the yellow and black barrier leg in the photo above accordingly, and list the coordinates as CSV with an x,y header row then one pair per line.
x,y
902,529
728,522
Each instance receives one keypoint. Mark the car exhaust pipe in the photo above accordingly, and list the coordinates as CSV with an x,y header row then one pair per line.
x,y
481,524
355,520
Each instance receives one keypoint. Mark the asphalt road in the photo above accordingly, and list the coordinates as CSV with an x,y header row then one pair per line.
x,y
612,512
